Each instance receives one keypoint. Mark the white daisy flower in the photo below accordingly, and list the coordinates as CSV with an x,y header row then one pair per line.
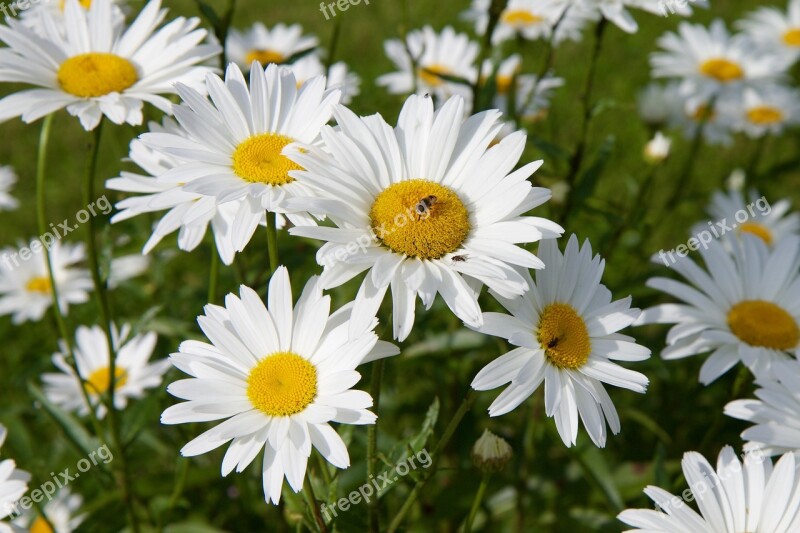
x,y
655,102
189,213
711,62
657,149
25,289
740,495
13,485
32,17
133,373
425,207
753,215
232,148
694,117
7,180
126,267
268,45
744,307
432,55
534,95
565,328
616,10
766,111
776,412
97,68
778,32
61,511
278,375
339,75
558,20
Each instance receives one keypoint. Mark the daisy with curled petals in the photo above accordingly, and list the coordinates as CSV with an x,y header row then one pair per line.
x,y
232,149
61,512
745,306
97,68
13,485
188,213
775,414
774,30
339,75
268,45
279,375
772,223
566,332
133,373
426,208
529,19
25,289
711,62
746,495
616,10
433,55
7,180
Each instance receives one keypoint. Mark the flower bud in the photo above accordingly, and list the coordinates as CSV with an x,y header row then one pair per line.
x,y
490,452
657,150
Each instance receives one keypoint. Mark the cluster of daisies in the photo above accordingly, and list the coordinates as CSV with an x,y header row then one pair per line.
x,y
433,204
719,84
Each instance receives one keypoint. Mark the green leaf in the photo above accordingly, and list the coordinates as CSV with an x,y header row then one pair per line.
x,y
594,465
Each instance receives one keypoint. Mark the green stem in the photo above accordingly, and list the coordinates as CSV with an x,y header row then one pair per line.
x,y
495,10
101,295
311,501
213,276
272,242
372,444
476,503
755,159
466,405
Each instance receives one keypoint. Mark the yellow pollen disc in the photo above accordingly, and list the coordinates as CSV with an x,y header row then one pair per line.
x,y
703,112
722,70
282,384
99,380
39,284
759,230
86,4
792,37
96,74
265,57
40,526
761,323
764,115
430,75
420,218
503,84
259,160
563,336
519,18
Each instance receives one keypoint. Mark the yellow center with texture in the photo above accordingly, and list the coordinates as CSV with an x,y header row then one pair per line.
x,y
759,230
282,384
259,160
792,37
40,525
265,57
431,75
764,324
96,74
519,18
722,70
39,284
420,218
764,115
563,336
99,381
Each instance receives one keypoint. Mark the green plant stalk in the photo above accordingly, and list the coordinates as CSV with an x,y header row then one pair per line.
x,y
101,294
372,444
311,501
466,405
213,275
272,242
476,503
495,10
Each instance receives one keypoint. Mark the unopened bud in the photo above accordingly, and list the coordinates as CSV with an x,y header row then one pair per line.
x,y
657,150
490,452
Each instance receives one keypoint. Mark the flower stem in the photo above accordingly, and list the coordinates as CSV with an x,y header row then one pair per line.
x,y
466,405
272,242
311,501
101,294
372,444
476,503
213,276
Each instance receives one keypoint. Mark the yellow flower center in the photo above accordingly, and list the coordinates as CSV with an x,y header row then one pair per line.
x,y
703,113
40,525
99,381
761,323
759,230
504,84
265,57
722,70
282,384
520,18
420,218
430,75
764,115
792,37
259,160
563,335
86,4
96,74
39,284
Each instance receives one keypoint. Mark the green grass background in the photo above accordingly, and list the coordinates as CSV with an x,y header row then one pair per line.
x,y
547,487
